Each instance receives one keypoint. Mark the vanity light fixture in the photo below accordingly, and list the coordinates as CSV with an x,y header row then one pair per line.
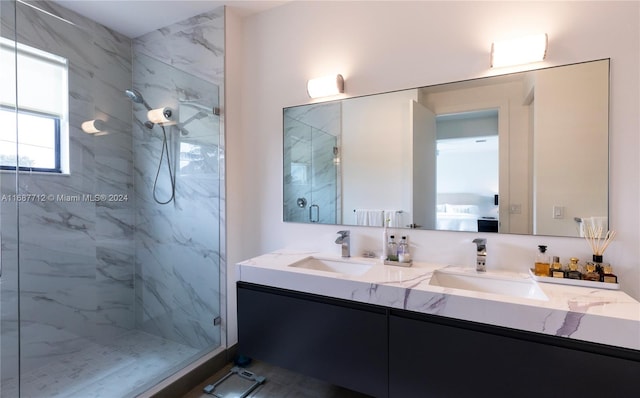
x,y
325,86
95,126
522,50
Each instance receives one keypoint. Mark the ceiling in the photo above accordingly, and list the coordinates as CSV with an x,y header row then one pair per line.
x,y
137,17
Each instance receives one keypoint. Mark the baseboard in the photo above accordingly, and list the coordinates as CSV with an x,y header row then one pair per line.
x,y
189,381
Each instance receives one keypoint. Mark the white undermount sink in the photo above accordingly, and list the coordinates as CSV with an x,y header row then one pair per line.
x,y
341,266
488,282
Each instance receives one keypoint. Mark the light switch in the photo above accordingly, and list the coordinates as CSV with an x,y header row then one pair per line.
x,y
558,212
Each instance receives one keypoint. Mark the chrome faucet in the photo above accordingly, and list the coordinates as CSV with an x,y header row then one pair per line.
x,y
481,254
343,240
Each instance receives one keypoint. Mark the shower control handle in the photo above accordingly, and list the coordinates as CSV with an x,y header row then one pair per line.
x,y
311,219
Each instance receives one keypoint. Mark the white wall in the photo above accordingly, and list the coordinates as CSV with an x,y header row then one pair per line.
x,y
382,46
557,153
377,128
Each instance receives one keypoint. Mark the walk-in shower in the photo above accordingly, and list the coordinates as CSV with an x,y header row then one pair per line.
x,y
105,291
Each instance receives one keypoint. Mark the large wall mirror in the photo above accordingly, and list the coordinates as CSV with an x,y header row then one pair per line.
x,y
524,153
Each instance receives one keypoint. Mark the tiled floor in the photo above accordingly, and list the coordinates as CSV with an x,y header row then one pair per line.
x,y
104,371
281,383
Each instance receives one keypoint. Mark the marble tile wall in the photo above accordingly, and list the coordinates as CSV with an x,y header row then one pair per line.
x,y
8,240
76,258
90,271
179,264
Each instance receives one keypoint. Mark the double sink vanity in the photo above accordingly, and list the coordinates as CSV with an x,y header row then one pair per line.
x,y
435,330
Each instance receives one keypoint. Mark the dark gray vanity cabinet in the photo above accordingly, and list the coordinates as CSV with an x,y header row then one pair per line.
x,y
431,356
394,353
342,342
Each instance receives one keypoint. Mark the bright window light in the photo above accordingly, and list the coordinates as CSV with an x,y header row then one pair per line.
x,y
34,132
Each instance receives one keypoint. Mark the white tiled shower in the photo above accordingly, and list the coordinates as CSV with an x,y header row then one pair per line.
x,y
105,298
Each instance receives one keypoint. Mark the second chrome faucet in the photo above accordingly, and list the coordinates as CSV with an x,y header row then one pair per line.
x,y
343,240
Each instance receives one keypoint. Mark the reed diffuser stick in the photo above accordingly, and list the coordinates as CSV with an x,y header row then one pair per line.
x,y
596,241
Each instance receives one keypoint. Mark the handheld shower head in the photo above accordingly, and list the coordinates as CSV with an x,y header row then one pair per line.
x,y
135,96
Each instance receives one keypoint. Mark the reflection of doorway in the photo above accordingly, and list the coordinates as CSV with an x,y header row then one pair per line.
x,y
467,171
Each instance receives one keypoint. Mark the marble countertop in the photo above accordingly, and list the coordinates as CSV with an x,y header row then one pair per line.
x,y
597,315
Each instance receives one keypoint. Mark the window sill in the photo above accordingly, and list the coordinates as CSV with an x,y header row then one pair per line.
x,y
44,173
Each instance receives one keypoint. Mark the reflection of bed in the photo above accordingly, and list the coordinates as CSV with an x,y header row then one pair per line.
x,y
457,217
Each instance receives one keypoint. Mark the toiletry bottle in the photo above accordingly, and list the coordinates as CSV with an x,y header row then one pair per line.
x,y
591,274
599,265
542,262
556,268
404,256
609,276
392,249
573,272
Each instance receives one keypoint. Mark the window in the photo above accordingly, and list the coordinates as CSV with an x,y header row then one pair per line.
x,y
41,141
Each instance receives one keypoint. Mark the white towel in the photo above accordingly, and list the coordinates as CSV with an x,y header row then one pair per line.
x,y
595,223
394,217
369,217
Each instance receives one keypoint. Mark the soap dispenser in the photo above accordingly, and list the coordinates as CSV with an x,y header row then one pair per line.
x,y
404,255
392,249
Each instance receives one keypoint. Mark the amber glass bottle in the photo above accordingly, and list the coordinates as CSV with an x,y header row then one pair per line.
x,y
573,272
609,276
591,274
556,268
541,267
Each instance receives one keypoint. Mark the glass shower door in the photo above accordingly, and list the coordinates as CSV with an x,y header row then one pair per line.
x,y
311,161
9,300
105,292
325,157
177,249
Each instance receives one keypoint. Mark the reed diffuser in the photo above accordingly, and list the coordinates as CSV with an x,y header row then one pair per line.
x,y
598,242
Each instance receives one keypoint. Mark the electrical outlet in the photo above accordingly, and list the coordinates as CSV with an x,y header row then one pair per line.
x,y
515,209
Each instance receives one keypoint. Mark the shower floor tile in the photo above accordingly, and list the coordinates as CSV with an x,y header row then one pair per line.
x,y
106,371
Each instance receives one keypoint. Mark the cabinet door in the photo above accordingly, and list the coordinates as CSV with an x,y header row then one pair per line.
x,y
341,342
433,359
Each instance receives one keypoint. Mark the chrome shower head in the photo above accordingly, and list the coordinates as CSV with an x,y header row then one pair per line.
x,y
135,96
